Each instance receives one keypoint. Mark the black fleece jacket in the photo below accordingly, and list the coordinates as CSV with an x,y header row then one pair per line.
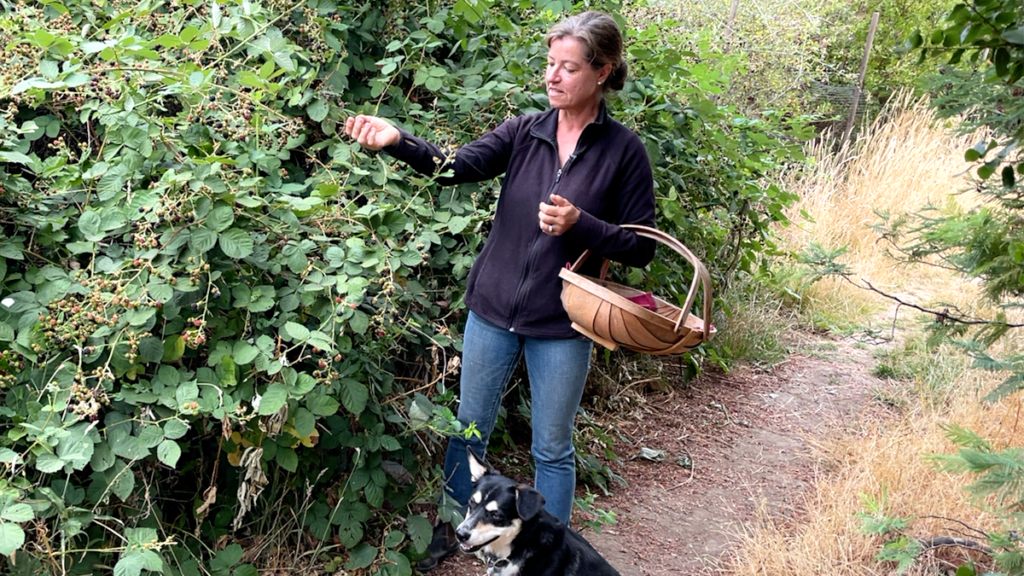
x,y
514,281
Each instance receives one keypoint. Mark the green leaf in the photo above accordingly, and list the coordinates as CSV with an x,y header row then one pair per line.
x,y
266,69
1008,176
272,400
359,322
350,533
174,348
988,169
186,392
354,395
174,429
120,480
169,452
397,563
17,513
317,111
305,422
1002,62
49,69
227,557
1015,36
102,457
295,332
394,538
130,564
420,531
374,495
49,463
151,349
76,449
322,405
151,436
12,537
245,570
236,243
129,447
361,556
244,352
90,225
203,239
220,218
160,292
16,157
150,559
227,374
287,459
976,152
965,570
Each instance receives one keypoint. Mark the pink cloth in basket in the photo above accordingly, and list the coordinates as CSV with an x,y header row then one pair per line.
x,y
646,300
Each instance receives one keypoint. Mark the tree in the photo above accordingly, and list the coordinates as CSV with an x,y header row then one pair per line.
x,y
981,47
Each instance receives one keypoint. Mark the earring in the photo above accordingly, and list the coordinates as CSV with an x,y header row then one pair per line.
x,y
599,82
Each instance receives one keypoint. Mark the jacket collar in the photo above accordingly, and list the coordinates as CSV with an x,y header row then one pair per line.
x,y
546,128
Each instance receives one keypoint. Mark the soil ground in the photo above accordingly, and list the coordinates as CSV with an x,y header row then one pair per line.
x,y
734,443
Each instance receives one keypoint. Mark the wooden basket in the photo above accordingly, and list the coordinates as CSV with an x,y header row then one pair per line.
x,y
601,310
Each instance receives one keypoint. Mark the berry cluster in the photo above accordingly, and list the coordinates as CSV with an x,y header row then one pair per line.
x,y
87,401
11,363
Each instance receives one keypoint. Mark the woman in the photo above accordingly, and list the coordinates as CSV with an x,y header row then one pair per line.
x,y
571,176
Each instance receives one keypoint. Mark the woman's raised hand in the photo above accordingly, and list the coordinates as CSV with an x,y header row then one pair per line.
x,y
371,132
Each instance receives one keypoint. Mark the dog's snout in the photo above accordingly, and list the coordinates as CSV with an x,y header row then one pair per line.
x,y
462,534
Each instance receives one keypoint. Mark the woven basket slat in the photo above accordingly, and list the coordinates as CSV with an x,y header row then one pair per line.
x,y
641,334
601,310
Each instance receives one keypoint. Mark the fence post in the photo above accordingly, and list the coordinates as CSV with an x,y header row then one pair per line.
x,y
729,24
860,81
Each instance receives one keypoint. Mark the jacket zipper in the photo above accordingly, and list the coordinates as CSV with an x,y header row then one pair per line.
x,y
521,290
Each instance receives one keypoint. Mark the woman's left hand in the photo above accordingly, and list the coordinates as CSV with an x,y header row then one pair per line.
x,y
558,217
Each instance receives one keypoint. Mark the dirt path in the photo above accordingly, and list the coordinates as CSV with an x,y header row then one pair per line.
x,y
733,443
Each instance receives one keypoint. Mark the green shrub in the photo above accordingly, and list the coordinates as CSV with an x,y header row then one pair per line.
x,y
220,319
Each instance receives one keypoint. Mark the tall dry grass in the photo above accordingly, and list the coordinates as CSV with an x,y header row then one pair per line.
x,y
901,163
887,457
904,161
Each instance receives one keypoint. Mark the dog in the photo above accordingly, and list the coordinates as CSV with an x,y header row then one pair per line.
x,y
507,525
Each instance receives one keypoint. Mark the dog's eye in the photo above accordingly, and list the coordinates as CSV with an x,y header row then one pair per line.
x,y
497,515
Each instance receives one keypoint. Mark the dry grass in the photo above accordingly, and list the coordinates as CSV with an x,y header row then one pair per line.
x,y
887,457
902,164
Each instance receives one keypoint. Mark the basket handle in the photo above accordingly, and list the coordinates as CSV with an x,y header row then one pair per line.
x,y
701,274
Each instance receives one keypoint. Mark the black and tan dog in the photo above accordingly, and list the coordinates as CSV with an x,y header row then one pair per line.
x,y
506,522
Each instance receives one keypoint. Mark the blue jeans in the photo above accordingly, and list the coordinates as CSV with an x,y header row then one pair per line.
x,y
557,369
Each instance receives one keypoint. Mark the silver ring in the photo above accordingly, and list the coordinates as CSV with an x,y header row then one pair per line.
x,y
551,228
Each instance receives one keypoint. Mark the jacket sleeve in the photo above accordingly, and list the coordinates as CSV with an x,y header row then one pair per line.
x,y
634,205
482,159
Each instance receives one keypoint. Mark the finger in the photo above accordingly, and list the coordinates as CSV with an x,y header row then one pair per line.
x,y
350,127
559,200
364,135
548,210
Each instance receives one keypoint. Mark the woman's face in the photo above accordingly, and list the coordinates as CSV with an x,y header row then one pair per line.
x,y
572,83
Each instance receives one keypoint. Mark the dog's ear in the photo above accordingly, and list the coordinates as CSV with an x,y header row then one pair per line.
x,y
528,502
477,467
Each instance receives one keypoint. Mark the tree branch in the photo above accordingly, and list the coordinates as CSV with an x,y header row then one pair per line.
x,y
941,316
943,541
